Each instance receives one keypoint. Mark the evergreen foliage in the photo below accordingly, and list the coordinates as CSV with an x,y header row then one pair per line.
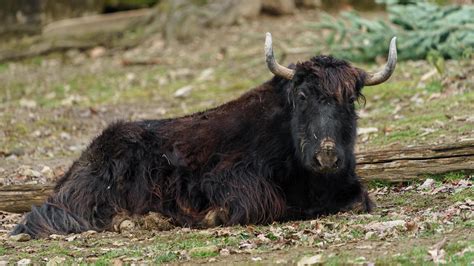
x,y
422,29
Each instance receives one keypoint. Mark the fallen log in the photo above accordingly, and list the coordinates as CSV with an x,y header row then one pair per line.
x,y
392,165
399,165
81,33
20,198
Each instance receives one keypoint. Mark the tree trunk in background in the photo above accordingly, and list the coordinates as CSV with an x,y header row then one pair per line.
x,y
181,19
279,7
26,17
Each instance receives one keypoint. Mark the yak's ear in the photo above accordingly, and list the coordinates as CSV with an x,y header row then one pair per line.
x,y
360,80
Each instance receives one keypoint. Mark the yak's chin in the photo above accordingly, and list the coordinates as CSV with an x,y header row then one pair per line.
x,y
324,171
321,170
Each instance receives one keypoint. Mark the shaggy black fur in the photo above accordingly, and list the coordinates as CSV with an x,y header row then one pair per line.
x,y
252,157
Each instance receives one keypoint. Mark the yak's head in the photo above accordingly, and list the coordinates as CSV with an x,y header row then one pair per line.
x,y
323,91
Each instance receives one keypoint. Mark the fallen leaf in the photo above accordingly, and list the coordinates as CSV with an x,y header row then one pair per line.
x,y
310,260
437,252
428,184
384,226
366,130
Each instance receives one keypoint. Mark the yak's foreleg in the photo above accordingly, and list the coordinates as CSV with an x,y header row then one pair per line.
x,y
363,203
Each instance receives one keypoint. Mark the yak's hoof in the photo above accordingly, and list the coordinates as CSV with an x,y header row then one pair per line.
x,y
122,222
151,221
215,217
365,205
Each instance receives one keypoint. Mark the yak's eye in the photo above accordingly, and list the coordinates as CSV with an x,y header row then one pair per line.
x,y
352,99
301,96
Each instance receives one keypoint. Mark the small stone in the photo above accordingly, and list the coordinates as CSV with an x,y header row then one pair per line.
x,y
366,130
224,252
183,92
428,184
212,260
71,238
117,262
24,262
30,104
25,170
21,237
65,136
37,133
56,237
310,260
56,261
3,263
97,52
369,235
131,77
256,258
206,74
47,172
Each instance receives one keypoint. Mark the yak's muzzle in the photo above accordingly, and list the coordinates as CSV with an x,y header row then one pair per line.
x,y
326,158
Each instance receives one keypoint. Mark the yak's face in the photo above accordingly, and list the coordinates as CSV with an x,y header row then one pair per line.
x,y
323,92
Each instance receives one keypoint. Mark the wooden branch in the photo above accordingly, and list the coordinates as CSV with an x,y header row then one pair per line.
x,y
394,165
20,198
411,163
97,24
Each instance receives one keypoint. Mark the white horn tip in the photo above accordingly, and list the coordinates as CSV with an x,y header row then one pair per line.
x,y
268,44
393,44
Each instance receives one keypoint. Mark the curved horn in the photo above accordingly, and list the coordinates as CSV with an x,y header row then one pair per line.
x,y
272,64
383,75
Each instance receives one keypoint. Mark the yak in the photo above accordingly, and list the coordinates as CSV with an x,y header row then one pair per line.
x,y
281,151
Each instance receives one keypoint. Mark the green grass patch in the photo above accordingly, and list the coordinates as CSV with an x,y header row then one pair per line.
x,y
416,256
166,257
451,176
378,183
434,86
467,193
3,251
204,254
3,67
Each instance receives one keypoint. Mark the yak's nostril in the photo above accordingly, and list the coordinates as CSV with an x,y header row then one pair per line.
x,y
317,161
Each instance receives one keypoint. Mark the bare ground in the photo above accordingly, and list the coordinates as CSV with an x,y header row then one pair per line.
x,y
51,107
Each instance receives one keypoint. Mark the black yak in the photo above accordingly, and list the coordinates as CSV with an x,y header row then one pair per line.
x,y
284,150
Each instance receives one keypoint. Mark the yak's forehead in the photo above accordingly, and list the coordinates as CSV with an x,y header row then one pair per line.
x,y
331,77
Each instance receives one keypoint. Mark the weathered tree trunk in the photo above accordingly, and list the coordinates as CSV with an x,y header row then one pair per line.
x,y
20,198
394,165
409,163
